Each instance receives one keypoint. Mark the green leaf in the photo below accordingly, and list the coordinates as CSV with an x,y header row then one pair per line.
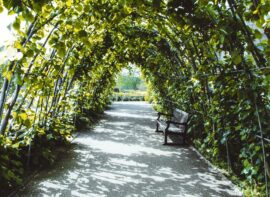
x,y
7,75
69,3
28,16
258,34
82,33
49,136
18,79
236,58
246,163
61,49
29,53
61,52
23,116
17,24
1,6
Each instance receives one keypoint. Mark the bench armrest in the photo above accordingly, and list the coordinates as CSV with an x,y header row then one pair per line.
x,y
177,123
163,114
160,113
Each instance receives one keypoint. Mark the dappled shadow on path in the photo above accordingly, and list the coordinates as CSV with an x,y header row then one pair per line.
x,y
123,156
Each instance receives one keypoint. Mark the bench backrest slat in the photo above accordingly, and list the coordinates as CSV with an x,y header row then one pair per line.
x,y
180,116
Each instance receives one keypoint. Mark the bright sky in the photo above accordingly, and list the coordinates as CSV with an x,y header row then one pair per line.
x,y
7,38
135,71
5,20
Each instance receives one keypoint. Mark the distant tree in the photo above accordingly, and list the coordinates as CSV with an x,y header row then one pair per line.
x,y
128,82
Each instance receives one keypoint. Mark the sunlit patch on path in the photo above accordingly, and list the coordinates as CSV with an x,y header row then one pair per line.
x,y
123,156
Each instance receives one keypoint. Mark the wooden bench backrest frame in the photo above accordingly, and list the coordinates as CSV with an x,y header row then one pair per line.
x,y
180,116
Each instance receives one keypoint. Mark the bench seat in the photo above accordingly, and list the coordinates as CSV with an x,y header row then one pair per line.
x,y
173,128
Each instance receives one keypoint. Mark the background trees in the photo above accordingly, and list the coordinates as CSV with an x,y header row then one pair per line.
x,y
130,79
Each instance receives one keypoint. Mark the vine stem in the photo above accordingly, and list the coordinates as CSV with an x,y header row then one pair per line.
x,y
5,121
263,149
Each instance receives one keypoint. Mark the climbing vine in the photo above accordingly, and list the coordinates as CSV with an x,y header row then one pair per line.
x,y
210,58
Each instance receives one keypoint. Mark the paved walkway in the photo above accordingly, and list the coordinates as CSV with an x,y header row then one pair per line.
x,y
123,156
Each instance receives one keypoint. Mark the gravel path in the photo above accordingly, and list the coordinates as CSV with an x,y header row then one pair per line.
x,y
123,156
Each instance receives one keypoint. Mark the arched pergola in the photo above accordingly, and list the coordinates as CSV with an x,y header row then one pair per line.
x,y
210,58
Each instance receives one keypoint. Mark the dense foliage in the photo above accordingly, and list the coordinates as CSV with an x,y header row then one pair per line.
x,y
210,57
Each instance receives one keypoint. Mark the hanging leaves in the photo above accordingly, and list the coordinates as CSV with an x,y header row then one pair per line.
x,y
17,24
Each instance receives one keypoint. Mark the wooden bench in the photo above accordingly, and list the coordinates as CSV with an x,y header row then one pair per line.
x,y
176,124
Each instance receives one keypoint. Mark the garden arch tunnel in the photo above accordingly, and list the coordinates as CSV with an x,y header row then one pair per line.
x,y
207,56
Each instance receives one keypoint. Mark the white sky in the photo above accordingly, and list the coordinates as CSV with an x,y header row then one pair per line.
x,y
135,71
5,34
7,38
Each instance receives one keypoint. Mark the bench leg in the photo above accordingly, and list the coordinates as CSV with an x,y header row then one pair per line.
x,y
184,139
165,138
157,128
